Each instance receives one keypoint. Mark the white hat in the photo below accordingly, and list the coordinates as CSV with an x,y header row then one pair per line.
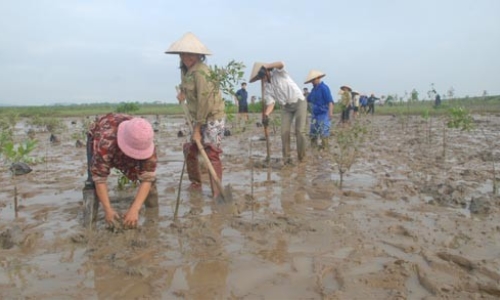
x,y
313,74
189,43
255,71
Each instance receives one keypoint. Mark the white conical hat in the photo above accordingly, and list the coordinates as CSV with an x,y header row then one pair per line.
x,y
189,43
255,71
313,74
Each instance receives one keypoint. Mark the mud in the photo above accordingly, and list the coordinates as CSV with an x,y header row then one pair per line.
x,y
414,220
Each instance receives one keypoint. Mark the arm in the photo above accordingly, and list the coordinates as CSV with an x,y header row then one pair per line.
x,y
101,189
237,98
131,217
275,65
269,109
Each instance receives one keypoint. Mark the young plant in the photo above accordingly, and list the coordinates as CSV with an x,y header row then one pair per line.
x,y
458,118
20,152
346,150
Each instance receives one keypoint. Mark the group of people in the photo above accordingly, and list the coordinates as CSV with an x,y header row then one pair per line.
x,y
127,143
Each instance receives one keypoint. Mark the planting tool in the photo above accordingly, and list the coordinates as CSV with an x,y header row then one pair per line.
x,y
90,199
266,129
90,206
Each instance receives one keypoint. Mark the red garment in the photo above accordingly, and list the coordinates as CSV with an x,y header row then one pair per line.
x,y
107,154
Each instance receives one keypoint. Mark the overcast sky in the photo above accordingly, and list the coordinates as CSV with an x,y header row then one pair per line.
x,y
63,51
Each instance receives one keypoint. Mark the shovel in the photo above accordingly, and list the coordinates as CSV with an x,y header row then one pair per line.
x,y
90,206
266,129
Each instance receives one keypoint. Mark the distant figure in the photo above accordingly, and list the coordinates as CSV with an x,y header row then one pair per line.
x,y
363,103
355,104
345,101
371,104
305,91
241,101
437,101
253,99
180,133
79,144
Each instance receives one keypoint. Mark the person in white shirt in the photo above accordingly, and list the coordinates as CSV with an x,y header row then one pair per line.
x,y
279,86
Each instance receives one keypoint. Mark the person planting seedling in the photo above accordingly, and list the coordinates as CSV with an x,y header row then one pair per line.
x,y
279,86
126,143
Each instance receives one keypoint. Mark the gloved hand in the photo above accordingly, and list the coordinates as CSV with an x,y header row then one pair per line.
x,y
265,121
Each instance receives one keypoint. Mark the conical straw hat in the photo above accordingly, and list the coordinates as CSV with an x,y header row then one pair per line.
x,y
255,71
189,43
313,74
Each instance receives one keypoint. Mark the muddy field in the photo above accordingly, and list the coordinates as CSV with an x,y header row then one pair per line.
x,y
412,221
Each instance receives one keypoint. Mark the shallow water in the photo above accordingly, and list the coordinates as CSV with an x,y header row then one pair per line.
x,y
291,233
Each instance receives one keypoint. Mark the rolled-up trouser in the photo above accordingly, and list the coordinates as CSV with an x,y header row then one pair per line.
x,y
297,110
212,133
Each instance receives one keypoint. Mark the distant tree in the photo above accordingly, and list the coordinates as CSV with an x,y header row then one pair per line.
x,y
451,93
414,96
127,107
432,92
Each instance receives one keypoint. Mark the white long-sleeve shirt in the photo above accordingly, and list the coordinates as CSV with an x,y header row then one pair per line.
x,y
282,88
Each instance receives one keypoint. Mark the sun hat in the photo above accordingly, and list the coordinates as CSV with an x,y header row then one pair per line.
x,y
346,87
135,138
189,43
254,76
313,74
355,92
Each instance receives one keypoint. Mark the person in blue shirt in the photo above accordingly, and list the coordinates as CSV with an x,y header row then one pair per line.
x,y
321,101
242,101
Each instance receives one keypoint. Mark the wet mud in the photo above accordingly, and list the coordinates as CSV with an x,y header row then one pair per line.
x,y
416,218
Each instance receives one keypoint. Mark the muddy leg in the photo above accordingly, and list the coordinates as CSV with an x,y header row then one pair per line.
x,y
193,168
213,155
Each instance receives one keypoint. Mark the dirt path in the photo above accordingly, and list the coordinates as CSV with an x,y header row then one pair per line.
x,y
411,222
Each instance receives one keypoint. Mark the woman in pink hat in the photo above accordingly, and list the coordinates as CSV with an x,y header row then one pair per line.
x,y
126,143
205,105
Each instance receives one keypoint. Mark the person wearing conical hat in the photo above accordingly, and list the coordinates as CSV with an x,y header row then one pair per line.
x,y
205,105
355,104
321,100
279,86
345,101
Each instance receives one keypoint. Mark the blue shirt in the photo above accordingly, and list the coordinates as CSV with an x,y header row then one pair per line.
x,y
242,96
320,98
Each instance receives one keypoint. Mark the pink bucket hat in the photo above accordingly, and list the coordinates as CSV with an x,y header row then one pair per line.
x,y
135,138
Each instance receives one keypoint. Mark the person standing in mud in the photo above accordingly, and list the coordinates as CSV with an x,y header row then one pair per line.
x,y
322,103
125,143
371,104
242,101
345,100
205,105
279,86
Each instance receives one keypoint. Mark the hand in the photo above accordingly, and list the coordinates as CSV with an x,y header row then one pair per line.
x,y
131,218
181,97
265,121
111,216
196,136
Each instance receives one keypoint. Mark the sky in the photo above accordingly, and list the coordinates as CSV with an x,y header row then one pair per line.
x,y
76,51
